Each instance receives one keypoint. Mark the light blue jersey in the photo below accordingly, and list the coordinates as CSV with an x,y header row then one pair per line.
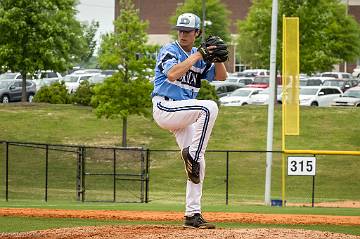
x,y
186,87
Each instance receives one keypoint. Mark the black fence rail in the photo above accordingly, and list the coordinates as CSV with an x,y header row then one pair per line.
x,y
34,171
116,174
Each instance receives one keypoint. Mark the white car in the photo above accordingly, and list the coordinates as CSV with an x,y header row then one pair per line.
x,y
263,97
46,78
356,72
72,81
254,72
315,80
318,95
350,98
241,80
239,97
337,75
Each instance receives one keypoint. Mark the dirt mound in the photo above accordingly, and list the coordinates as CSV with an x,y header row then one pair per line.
x,y
177,232
171,232
295,219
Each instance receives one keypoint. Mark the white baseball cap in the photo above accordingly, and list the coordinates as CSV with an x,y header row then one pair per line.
x,y
188,22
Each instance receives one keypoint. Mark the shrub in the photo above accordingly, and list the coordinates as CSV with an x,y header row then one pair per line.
x,y
54,94
207,92
83,94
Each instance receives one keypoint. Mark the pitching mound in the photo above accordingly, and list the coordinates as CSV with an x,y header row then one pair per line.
x,y
177,232
171,232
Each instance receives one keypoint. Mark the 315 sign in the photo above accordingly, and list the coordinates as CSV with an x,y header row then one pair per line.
x,y
301,166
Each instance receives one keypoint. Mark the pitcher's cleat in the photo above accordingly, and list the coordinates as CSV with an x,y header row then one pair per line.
x,y
197,221
192,167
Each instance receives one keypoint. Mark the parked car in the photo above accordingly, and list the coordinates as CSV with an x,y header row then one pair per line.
x,y
356,72
239,97
86,71
11,90
263,97
72,81
344,85
97,79
109,72
48,75
318,95
337,75
223,88
350,98
46,78
315,80
254,72
241,80
13,76
260,82
354,82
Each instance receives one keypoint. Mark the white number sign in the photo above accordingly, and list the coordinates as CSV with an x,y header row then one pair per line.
x,y
301,166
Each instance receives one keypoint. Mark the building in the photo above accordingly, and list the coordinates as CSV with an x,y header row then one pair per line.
x,y
158,12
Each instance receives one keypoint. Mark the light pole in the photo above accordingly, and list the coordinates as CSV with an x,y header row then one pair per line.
x,y
203,20
347,12
270,129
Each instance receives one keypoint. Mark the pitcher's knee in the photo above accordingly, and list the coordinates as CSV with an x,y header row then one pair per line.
x,y
213,108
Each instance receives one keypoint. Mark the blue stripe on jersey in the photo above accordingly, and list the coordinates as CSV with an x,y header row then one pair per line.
x,y
187,87
191,107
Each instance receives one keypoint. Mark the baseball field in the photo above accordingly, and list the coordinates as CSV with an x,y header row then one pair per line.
x,y
336,215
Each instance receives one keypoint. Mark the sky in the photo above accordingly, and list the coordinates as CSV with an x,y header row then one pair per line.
x,y
101,11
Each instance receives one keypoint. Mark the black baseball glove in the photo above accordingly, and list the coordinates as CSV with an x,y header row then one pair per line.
x,y
218,54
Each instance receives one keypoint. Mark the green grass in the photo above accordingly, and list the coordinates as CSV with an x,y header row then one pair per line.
x,y
237,128
160,206
20,224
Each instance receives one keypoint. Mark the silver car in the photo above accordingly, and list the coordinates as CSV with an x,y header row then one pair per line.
x,y
350,98
10,90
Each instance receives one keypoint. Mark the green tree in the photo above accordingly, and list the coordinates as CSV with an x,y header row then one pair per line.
x,y
328,35
128,91
216,12
89,36
39,35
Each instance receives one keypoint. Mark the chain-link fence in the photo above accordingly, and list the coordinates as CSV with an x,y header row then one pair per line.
x,y
113,174
72,173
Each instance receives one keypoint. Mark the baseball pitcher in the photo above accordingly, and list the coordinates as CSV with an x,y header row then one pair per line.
x,y
178,73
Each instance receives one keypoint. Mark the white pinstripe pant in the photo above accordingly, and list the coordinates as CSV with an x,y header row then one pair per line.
x,y
191,121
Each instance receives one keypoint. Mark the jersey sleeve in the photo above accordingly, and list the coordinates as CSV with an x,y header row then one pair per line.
x,y
167,59
210,73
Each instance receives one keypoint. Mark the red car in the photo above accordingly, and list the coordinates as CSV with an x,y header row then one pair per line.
x,y
260,82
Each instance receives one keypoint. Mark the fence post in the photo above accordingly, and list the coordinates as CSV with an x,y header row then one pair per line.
x,y
147,175
83,152
7,171
227,178
114,176
143,175
80,175
46,171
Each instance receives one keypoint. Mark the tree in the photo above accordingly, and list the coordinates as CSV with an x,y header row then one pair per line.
x,y
128,91
39,35
89,36
328,35
216,12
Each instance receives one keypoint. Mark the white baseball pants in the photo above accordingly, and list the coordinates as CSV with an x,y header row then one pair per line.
x,y
191,121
